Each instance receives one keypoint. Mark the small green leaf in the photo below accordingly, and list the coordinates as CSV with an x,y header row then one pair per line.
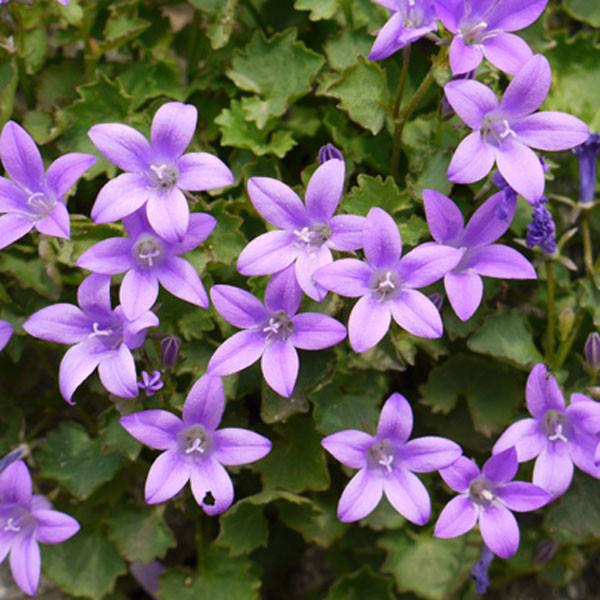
x,y
344,50
9,78
376,191
584,10
243,528
319,9
360,585
221,19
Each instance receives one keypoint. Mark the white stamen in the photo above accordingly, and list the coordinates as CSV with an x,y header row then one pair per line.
x,y
387,283
487,495
98,332
558,434
159,171
304,235
196,446
273,326
386,461
149,256
507,130
12,525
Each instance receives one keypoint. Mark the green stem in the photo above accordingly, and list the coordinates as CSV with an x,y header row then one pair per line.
x,y
256,16
565,348
395,163
588,254
200,542
551,316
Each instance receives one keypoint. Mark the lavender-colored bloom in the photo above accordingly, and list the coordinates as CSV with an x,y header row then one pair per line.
x,y
388,462
541,231
329,152
10,458
559,436
33,198
591,351
482,28
271,332
157,172
169,350
587,154
480,572
387,284
481,257
100,337
504,132
149,260
27,520
194,449
151,383
487,497
410,21
307,232
6,332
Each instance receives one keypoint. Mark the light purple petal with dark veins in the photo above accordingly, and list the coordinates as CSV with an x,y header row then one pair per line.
x,y
501,262
381,239
210,476
408,495
169,214
166,477
199,228
427,264
283,292
526,92
585,412
444,218
13,198
368,323
512,15
25,563
78,363
387,41
12,228
522,169
173,128
156,429
268,253
499,530
15,484
61,323
54,527
237,352
396,419
57,223
457,517
522,497
180,278
200,171
6,332
465,291
490,221
527,438
137,326
205,403
582,448
21,157
430,453
93,295
542,392
237,306
117,373
235,446
120,197
122,146
459,475
416,313
346,232
551,131
347,277
280,364
277,203
553,468
108,257
472,161
349,447
507,51
501,467
138,292
315,331
325,189
464,57
471,100
65,171
360,496
306,265
450,12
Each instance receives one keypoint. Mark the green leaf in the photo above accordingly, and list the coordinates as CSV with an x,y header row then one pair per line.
x,y
297,461
9,78
363,93
584,10
143,81
140,533
32,47
375,191
319,9
221,577
76,461
450,562
278,71
221,19
244,528
344,50
29,273
87,565
123,25
590,299
115,438
507,336
360,585
413,230
226,242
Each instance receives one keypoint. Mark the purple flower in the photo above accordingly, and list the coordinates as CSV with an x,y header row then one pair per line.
x,y
6,332
482,257
271,332
147,575
480,572
541,231
386,284
329,152
157,172
504,132
151,383
559,436
481,27
148,259
194,449
387,463
101,337
307,233
169,350
33,198
26,520
587,154
487,497
409,22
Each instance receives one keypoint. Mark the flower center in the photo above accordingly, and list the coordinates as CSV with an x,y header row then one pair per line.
x,y
496,130
381,455
385,285
413,14
313,237
474,33
164,177
555,425
481,492
110,336
148,250
278,327
194,441
40,204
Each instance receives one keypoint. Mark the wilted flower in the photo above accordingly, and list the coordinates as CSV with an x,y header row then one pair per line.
x,y
587,154
541,231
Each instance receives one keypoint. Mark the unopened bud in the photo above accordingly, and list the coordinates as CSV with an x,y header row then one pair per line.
x,y
437,299
545,551
566,320
591,351
329,152
169,350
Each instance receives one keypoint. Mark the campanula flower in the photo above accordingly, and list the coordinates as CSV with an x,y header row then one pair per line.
x,y
504,132
194,449
271,332
100,336
487,497
33,198
307,232
151,383
387,284
387,463
587,154
6,332
157,172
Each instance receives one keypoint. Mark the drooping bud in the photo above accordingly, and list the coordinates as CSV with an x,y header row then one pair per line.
x,y
587,154
566,319
542,229
591,351
479,573
329,152
169,350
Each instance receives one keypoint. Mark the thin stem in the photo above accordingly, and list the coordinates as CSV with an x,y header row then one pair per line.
x,y
256,16
395,163
588,254
200,542
565,348
551,317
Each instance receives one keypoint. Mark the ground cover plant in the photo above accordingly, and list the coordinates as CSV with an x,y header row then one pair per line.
x,y
332,263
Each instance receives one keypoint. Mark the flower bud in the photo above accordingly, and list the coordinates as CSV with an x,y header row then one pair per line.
x,y
437,299
544,552
329,152
169,350
592,351
587,153
566,319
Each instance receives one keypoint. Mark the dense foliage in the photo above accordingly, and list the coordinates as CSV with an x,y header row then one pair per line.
x,y
273,82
